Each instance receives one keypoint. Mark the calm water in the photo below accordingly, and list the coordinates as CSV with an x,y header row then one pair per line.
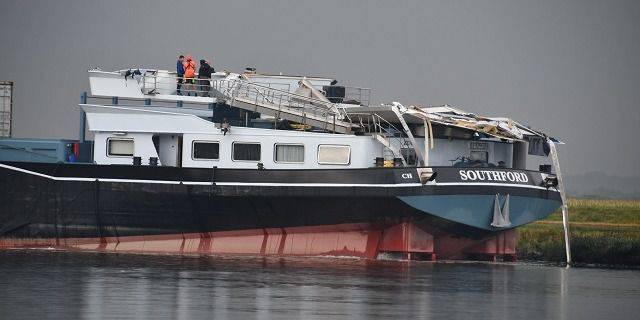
x,y
63,285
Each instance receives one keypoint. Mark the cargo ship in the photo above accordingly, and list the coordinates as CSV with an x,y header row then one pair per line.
x,y
263,164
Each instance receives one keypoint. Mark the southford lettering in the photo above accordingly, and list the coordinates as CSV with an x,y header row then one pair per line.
x,y
490,175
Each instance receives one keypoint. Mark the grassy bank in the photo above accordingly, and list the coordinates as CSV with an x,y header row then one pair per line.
x,y
602,232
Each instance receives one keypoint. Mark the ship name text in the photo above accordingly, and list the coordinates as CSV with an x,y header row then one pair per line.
x,y
491,175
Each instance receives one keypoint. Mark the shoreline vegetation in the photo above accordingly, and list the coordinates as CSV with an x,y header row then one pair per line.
x,y
603,232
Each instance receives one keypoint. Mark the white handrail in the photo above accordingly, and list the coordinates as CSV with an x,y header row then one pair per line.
x,y
234,88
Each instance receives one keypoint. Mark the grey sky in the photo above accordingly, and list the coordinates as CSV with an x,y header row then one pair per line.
x,y
571,68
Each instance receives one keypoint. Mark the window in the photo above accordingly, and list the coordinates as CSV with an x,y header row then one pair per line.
x,y
120,147
334,154
481,156
246,151
478,145
292,153
409,154
205,150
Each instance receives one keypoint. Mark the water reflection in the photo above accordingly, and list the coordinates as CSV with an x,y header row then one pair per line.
x,y
62,285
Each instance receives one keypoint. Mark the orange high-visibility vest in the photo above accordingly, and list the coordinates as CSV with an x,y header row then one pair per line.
x,y
189,68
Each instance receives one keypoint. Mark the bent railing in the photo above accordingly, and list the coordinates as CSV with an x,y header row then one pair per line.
x,y
278,99
244,89
251,96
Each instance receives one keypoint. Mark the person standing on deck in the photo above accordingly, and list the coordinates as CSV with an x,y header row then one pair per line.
x,y
180,72
204,76
189,75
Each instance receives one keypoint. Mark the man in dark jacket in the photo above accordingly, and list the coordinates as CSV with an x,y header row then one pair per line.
x,y
180,72
204,76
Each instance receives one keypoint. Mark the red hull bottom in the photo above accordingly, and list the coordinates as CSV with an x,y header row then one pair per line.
x,y
404,241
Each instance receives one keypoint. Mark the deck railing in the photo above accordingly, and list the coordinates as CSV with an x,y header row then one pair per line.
x,y
259,94
375,124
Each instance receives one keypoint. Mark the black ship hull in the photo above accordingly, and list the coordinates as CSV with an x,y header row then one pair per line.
x,y
91,206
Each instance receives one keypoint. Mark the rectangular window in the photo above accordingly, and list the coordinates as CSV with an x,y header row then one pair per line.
x,y
120,147
205,150
481,156
409,154
292,153
334,154
246,151
478,145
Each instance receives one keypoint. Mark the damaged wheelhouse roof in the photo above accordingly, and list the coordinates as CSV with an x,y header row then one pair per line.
x,y
495,127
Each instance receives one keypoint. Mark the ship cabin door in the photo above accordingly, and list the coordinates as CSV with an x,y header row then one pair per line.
x,y
169,149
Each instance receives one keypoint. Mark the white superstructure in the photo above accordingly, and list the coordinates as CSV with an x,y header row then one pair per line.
x,y
320,130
